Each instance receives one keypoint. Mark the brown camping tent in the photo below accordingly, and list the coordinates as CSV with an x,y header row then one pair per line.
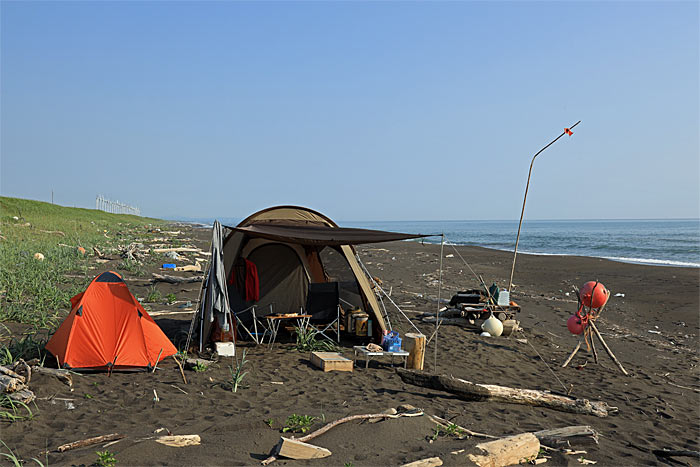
x,y
291,247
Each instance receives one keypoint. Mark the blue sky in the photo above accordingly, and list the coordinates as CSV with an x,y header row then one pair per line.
x,y
362,110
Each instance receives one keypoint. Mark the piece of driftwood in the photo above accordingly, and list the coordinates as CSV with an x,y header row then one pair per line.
x,y
415,346
23,369
512,450
88,442
481,392
182,372
9,384
179,441
295,449
675,453
429,462
558,437
191,363
177,250
63,375
11,373
175,280
445,424
335,423
22,395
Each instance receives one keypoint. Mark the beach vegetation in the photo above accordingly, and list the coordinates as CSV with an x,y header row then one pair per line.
x,y
298,423
35,291
170,298
237,373
307,342
269,422
449,430
200,367
105,459
14,411
28,347
12,457
154,295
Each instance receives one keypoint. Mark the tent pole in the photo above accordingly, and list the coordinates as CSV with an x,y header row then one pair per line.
x,y
437,311
522,212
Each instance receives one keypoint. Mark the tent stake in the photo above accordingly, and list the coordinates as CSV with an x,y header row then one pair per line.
x,y
522,212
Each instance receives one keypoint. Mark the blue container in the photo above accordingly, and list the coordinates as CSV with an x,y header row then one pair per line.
x,y
391,342
168,266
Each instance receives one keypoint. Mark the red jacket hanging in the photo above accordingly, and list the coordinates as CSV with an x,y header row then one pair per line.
x,y
245,276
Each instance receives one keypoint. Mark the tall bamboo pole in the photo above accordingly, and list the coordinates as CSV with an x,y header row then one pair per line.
x,y
522,212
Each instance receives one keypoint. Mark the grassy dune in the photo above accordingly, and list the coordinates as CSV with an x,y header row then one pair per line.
x,y
36,293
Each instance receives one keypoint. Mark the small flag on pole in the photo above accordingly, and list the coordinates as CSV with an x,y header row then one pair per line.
x,y
568,132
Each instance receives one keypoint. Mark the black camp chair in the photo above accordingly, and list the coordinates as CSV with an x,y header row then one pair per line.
x,y
323,304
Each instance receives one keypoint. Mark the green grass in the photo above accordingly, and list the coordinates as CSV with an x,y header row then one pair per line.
x,y
36,292
16,461
307,342
14,411
237,373
299,423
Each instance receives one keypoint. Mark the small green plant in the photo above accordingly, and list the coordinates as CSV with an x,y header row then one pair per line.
x,y
105,459
347,464
269,422
450,429
200,367
131,266
12,457
87,396
170,298
237,374
154,295
14,411
307,342
298,423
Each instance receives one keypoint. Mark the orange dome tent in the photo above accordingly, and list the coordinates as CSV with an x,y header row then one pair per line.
x,y
108,328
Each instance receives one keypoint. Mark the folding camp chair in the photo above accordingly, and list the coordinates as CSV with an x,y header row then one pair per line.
x,y
323,304
255,329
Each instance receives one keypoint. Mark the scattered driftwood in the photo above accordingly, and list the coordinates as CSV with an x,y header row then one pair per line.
x,y
563,437
179,441
132,252
191,363
480,392
675,453
63,375
15,386
445,424
89,442
182,372
294,449
506,451
178,250
429,462
174,279
319,432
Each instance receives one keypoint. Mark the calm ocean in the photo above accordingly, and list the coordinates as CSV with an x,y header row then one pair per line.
x,y
657,242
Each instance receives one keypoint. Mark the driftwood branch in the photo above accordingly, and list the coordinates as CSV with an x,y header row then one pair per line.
x,y
175,279
481,392
335,423
88,442
607,349
580,434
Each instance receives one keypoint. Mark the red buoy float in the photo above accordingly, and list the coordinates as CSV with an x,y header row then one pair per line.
x,y
575,325
594,294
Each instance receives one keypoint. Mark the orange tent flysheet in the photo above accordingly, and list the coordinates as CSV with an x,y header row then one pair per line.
x,y
108,328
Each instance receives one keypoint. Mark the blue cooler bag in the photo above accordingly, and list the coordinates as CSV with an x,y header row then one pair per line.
x,y
391,342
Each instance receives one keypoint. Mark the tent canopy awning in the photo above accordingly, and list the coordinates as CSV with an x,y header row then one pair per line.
x,y
321,234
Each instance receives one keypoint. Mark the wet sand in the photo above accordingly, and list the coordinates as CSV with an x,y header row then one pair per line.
x,y
658,403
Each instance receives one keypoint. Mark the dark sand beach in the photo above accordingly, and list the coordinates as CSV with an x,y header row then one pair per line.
x,y
658,403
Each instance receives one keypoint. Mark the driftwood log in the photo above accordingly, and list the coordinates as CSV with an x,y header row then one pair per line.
x,y
88,442
63,375
512,450
564,437
14,386
482,392
175,279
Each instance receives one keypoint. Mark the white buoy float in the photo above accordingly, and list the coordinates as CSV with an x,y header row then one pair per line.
x,y
493,326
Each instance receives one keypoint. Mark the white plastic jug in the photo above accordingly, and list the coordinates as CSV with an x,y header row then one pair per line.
x,y
493,326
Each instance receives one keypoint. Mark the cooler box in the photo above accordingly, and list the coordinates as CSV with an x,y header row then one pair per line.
x,y
391,342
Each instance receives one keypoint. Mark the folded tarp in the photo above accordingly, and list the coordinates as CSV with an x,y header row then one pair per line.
x,y
322,234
